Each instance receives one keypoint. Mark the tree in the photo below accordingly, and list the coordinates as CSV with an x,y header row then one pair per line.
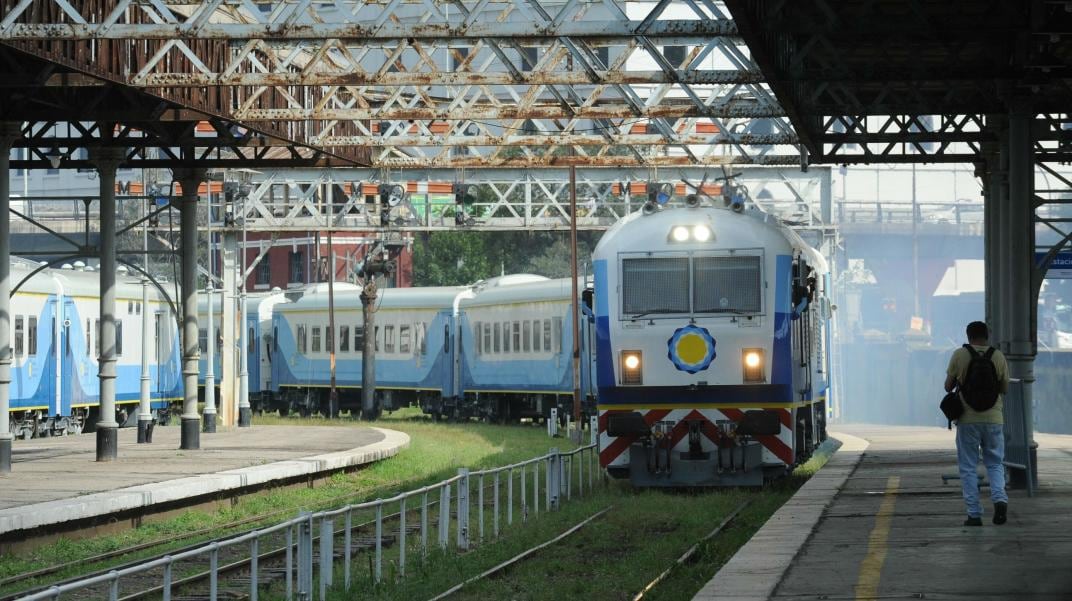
x,y
451,259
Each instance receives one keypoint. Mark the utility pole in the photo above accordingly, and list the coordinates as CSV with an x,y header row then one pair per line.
x,y
574,309
376,263
333,393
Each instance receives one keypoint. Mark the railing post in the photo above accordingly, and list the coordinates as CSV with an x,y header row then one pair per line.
x,y
113,587
424,524
554,479
463,509
166,585
254,551
480,506
290,563
524,496
214,572
402,537
495,505
536,489
444,516
347,553
593,429
327,554
510,496
305,556
379,541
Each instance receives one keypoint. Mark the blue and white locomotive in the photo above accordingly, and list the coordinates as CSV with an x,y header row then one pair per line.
x,y
712,356
55,328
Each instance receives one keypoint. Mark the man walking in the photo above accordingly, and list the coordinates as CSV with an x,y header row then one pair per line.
x,y
981,375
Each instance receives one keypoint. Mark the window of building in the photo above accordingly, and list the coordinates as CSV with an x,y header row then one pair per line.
x,y
19,335
388,339
556,334
536,335
316,339
344,339
403,339
526,336
264,271
498,337
297,268
517,337
477,335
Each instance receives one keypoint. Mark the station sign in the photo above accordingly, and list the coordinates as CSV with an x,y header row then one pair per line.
x,y
1060,267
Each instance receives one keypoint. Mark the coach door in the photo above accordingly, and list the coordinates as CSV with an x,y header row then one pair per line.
x,y
68,369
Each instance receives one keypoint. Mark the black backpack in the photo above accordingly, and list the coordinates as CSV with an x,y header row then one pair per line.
x,y
980,386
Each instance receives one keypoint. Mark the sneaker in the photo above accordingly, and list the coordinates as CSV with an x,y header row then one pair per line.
x,y
1000,512
973,521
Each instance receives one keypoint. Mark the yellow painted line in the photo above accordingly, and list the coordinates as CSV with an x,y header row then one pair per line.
x,y
871,568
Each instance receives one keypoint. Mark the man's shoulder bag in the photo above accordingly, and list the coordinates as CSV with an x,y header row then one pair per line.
x,y
951,408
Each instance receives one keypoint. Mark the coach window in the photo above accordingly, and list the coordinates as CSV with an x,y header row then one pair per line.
x,y
18,335
497,337
96,329
556,331
377,338
301,339
547,335
31,335
526,336
344,339
478,337
517,337
118,337
316,339
536,335
727,284
423,337
388,339
329,339
486,333
506,336
130,307
359,339
403,339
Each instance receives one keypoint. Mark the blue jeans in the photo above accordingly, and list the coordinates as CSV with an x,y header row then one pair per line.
x,y
991,438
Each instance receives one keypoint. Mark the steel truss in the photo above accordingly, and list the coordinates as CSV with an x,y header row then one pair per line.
x,y
445,83
508,199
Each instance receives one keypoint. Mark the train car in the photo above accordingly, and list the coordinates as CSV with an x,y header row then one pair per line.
x,y
414,350
711,347
516,350
55,319
258,340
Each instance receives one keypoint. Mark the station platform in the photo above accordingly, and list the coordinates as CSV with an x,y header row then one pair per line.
x,y
56,485
878,522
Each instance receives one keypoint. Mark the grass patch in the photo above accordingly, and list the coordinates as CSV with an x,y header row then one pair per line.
x,y
613,557
436,451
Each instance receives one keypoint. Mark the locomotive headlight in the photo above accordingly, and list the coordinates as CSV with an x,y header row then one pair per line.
x,y
631,367
701,233
680,233
752,362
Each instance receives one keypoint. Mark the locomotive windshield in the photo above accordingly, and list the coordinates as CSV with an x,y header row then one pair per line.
x,y
655,285
691,285
726,284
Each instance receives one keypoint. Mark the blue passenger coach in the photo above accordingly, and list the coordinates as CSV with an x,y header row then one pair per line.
x,y
55,330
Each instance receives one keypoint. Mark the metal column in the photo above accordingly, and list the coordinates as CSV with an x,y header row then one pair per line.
x,y
9,132
107,161
229,298
145,415
1019,292
190,179
208,424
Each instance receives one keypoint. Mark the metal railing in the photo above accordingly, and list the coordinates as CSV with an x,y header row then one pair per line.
x,y
904,212
564,475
